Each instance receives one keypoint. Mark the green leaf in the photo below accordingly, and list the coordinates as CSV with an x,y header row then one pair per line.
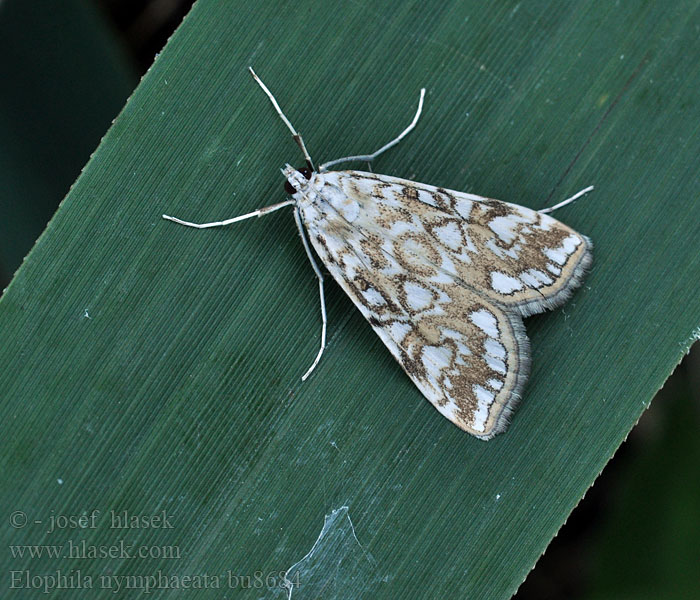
x,y
149,367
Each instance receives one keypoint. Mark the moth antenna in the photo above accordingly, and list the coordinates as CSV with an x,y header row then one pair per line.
x,y
573,198
295,134
370,157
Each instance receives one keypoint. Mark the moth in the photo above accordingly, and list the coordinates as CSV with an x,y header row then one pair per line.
x,y
443,277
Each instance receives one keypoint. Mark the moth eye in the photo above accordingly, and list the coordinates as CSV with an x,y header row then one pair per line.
x,y
289,188
305,172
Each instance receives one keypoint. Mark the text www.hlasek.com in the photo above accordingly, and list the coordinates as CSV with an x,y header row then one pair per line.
x,y
83,550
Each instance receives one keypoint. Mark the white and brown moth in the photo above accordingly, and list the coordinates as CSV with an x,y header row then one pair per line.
x,y
443,277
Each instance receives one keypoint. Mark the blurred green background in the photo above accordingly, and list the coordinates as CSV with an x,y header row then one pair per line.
x,y
68,67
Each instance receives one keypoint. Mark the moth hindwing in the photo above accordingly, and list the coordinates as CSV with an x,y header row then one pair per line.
x,y
443,277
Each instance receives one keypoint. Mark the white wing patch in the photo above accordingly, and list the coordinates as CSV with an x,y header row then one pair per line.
x,y
444,278
485,321
505,284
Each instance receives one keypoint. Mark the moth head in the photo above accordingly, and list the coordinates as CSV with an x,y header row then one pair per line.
x,y
297,179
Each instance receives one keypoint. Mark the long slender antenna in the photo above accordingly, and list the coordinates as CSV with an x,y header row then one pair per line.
x,y
385,147
295,134
576,196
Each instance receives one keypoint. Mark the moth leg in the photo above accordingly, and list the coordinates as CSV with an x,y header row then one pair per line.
x,y
576,196
324,320
256,213
370,157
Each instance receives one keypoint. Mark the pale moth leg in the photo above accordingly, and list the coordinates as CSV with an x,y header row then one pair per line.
x,y
370,157
256,213
324,320
297,218
576,196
